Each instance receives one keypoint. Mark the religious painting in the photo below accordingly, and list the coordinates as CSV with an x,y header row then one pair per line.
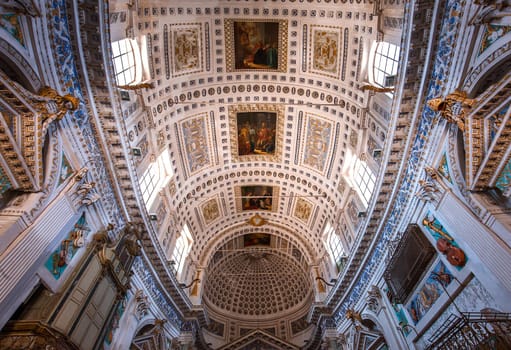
x,y
5,182
352,212
216,327
492,33
303,209
443,168
65,169
432,288
211,210
299,325
195,141
11,24
342,186
325,50
504,178
256,45
374,149
353,139
113,326
186,49
256,239
256,197
256,132
62,256
316,150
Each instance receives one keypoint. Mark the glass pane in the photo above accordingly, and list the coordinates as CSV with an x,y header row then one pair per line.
x,y
115,49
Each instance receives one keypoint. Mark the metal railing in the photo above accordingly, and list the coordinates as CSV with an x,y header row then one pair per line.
x,y
473,330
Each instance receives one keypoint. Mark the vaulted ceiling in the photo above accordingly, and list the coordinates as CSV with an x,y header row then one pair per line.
x,y
262,143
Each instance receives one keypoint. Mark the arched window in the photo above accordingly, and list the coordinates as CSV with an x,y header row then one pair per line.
x,y
385,64
124,61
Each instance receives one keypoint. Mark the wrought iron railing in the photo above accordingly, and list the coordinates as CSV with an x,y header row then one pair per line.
x,y
473,330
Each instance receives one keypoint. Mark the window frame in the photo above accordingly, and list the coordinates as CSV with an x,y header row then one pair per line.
x,y
149,181
386,62
124,61
364,180
334,246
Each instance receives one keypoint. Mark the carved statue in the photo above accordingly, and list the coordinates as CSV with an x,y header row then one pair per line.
x,y
431,172
101,237
85,188
133,247
427,190
446,107
353,315
53,106
142,307
376,88
373,298
134,229
80,174
137,86
90,198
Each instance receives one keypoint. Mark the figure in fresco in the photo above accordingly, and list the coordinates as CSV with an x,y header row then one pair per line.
x,y
271,56
256,197
256,133
260,54
256,45
263,137
244,146
427,295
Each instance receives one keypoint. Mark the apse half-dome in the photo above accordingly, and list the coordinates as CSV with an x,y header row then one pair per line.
x,y
257,282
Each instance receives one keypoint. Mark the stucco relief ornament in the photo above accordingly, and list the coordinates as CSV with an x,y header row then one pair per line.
x,y
373,298
492,12
88,193
142,307
20,7
256,220
427,191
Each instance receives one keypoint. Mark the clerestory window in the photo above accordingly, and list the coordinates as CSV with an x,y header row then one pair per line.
x,y
365,180
334,246
385,64
182,248
124,61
